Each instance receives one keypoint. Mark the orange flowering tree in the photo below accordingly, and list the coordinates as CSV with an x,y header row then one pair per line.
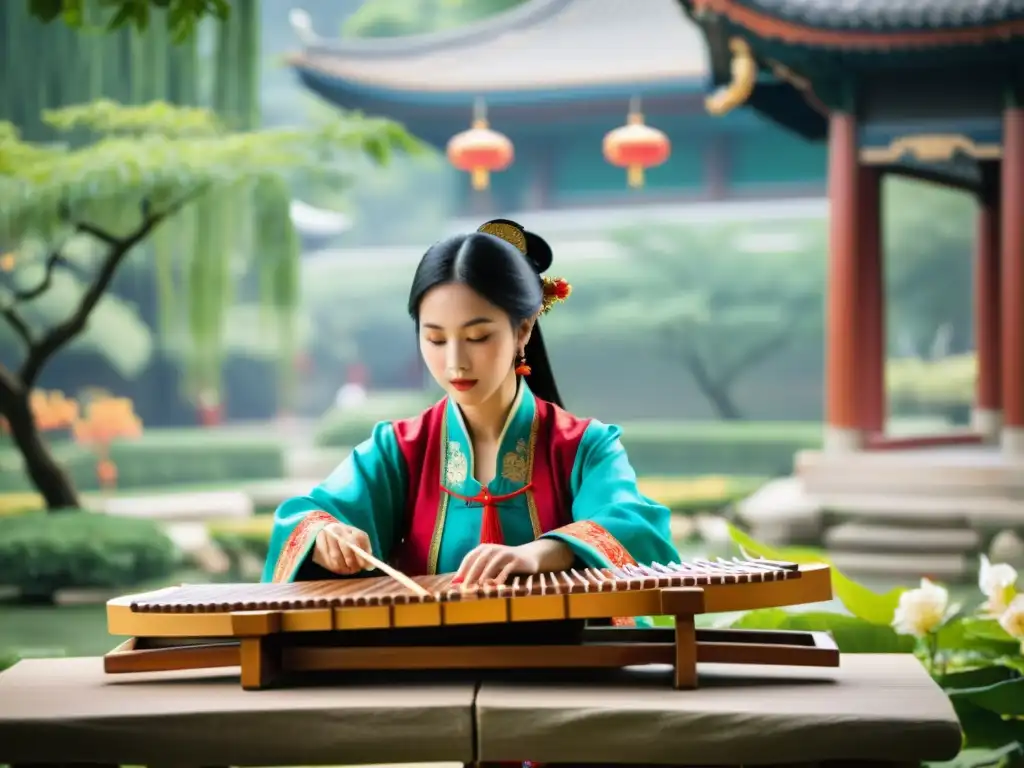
x,y
107,419
51,411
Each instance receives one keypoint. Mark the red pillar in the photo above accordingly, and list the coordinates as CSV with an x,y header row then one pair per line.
x,y
988,401
1012,262
871,302
842,411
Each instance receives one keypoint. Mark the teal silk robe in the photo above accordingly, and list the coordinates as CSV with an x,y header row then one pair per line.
x,y
579,488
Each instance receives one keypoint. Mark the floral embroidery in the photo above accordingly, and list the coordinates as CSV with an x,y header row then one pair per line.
x,y
456,466
598,537
515,465
297,545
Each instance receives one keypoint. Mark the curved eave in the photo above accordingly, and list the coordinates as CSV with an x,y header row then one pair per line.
x,y
351,92
542,50
772,27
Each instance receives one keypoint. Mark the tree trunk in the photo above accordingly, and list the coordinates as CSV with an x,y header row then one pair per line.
x,y
721,400
49,478
717,392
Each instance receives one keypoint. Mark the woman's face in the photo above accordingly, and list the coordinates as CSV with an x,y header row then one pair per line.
x,y
468,344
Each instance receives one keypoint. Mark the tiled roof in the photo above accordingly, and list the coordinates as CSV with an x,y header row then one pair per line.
x,y
890,15
542,44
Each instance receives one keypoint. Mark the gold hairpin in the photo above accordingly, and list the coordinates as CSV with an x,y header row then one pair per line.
x,y
507,232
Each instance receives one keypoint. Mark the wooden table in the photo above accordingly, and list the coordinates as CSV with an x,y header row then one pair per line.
x,y
875,710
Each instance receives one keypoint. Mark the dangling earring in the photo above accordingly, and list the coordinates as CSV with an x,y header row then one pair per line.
x,y
522,369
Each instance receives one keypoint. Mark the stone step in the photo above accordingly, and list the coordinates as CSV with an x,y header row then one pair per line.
x,y
1000,512
876,539
908,566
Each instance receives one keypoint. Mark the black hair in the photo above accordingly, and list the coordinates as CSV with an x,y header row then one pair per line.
x,y
502,274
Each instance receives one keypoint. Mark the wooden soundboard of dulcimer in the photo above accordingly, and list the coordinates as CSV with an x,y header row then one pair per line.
x,y
382,590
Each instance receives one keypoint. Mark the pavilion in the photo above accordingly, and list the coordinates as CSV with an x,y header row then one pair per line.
x,y
934,90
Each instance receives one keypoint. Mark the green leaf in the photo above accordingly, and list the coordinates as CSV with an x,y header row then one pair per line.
x,y
46,10
1003,698
984,758
984,728
858,599
852,635
978,677
988,629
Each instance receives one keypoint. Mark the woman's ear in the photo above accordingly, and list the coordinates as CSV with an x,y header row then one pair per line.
x,y
524,332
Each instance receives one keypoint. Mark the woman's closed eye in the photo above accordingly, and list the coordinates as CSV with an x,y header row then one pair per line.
x,y
442,342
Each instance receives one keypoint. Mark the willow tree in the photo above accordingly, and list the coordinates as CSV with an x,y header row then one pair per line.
x,y
168,173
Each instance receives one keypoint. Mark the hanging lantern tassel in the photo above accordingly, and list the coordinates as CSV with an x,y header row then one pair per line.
x,y
636,147
480,152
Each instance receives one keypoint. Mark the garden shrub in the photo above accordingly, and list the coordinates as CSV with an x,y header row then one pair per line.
x,y
42,553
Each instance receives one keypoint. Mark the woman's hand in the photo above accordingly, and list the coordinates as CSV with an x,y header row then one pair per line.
x,y
331,549
494,563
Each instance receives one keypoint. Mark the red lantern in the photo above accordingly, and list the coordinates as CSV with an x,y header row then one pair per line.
x,y
636,146
480,152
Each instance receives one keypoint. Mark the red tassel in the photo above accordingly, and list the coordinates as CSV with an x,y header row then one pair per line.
x,y
523,370
490,524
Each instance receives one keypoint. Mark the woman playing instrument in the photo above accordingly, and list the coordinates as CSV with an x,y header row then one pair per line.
x,y
495,479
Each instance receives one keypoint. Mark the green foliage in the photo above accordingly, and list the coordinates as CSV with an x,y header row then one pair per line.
x,y
929,242
191,457
866,605
182,16
977,662
852,635
944,381
42,553
709,298
721,284
207,195
239,545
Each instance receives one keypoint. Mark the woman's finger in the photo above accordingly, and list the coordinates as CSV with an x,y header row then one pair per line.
x,y
495,566
466,564
335,562
353,562
507,571
361,540
345,557
484,565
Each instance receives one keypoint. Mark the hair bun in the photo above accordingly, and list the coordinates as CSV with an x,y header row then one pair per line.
x,y
538,252
533,246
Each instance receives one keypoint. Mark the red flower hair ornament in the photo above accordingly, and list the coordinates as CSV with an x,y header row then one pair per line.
x,y
556,290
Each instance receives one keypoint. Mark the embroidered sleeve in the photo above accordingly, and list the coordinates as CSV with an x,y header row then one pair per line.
x,y
367,490
298,545
613,523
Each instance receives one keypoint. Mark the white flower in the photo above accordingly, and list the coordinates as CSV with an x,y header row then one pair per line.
x,y
998,583
921,610
1012,618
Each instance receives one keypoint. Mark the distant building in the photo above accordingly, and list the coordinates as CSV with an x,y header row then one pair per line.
x,y
555,76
